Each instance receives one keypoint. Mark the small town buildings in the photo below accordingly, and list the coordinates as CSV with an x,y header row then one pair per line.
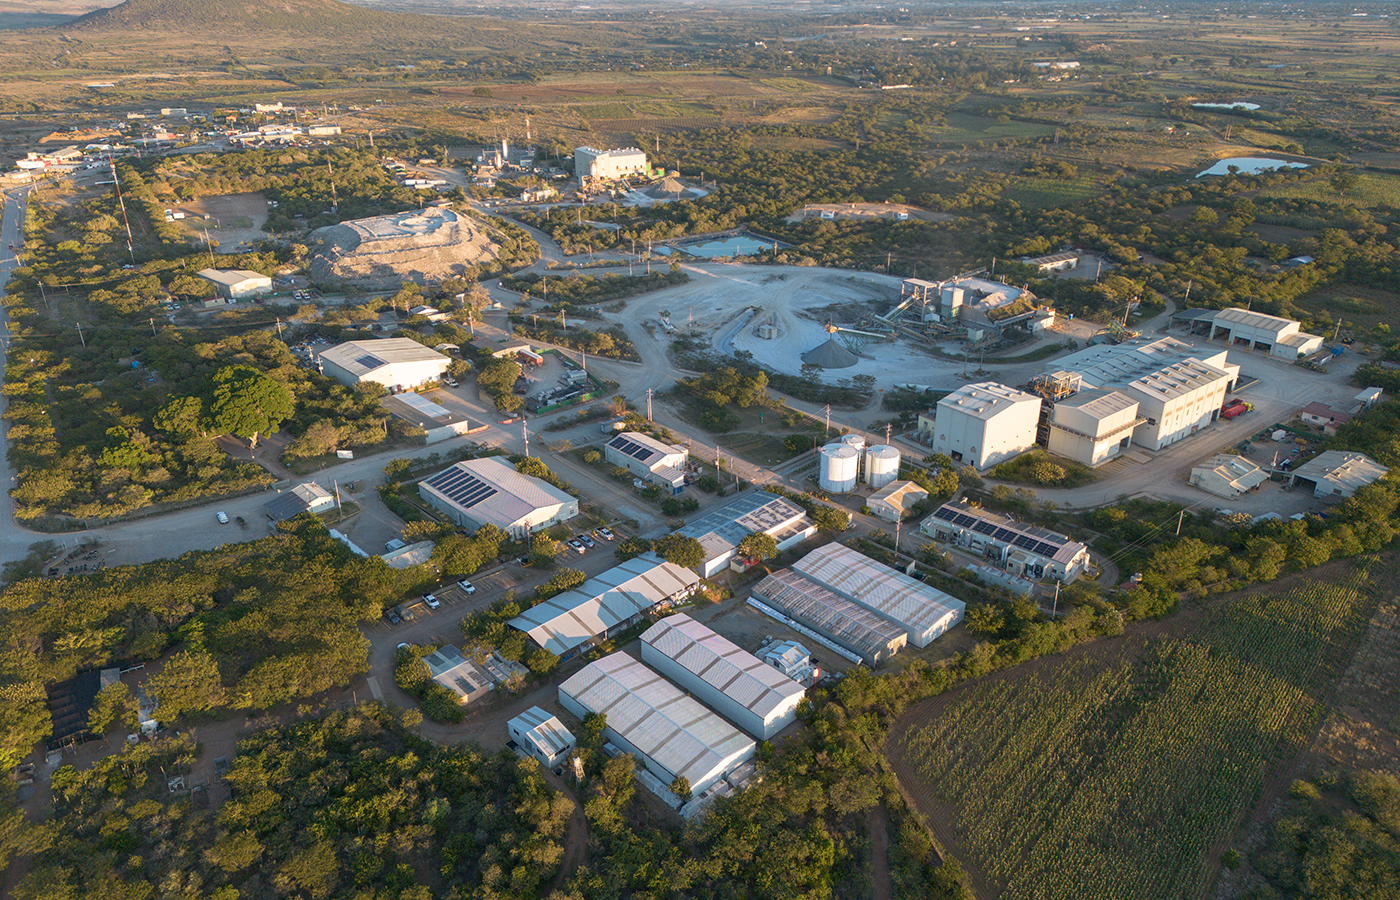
x,y
437,421
1324,416
607,165
431,313
237,284
722,675
400,364
1257,331
458,674
648,459
720,531
577,620
1338,474
540,735
1227,475
895,499
1092,427
985,423
1025,550
489,490
669,733
1366,399
308,497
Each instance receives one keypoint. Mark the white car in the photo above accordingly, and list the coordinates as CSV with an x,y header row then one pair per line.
x,y
432,601
466,586
222,517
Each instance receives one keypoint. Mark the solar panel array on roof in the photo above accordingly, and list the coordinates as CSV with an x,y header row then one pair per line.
x,y
1016,537
631,448
369,362
461,487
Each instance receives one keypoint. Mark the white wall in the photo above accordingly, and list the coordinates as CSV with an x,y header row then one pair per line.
x,y
982,443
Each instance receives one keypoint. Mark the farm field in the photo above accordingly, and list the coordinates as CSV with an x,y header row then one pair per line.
x,y
1372,190
1045,193
1125,768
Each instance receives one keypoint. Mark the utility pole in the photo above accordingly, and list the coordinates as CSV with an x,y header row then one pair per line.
x,y
649,405
279,328
525,432
153,327
1179,519
827,433
80,335
1055,611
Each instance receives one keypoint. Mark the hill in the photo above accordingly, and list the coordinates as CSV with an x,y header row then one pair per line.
x,y
323,17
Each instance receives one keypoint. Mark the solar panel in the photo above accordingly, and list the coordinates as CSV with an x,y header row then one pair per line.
x,y
631,448
461,487
369,361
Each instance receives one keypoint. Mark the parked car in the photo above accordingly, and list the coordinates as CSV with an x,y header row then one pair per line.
x,y
393,617
606,534
432,601
466,586
577,546
450,382
222,517
587,541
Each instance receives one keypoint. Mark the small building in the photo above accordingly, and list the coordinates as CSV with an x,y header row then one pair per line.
x,y
1056,262
790,658
727,678
458,674
540,735
1366,399
856,632
308,497
322,130
1025,550
489,490
607,165
400,364
1324,416
669,733
437,421
1227,475
895,499
648,459
406,556
1274,335
236,284
1093,426
431,313
985,423
720,531
577,620
1338,474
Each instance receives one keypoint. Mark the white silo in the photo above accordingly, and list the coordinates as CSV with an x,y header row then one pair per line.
x,y
853,440
839,467
881,465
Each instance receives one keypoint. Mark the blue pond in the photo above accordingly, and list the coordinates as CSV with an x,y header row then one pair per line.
x,y
734,246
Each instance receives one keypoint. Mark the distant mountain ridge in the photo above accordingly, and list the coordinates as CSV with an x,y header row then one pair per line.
x,y
318,16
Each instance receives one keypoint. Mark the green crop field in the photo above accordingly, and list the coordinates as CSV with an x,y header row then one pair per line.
x,y
1123,771
1044,193
963,128
1372,190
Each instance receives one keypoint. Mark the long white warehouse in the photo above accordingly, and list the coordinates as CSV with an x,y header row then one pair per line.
x,y
729,679
922,611
669,733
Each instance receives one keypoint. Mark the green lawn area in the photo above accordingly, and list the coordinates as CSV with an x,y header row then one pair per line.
x,y
963,128
1045,193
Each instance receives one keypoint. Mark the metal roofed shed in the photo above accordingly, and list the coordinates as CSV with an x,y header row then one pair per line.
x,y
408,556
669,733
457,673
400,364
489,490
540,735
720,531
438,421
847,624
1226,475
895,499
236,284
648,458
308,497
1337,474
924,612
604,605
730,680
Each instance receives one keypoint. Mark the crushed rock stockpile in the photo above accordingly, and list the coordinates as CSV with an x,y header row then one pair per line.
x,y
423,245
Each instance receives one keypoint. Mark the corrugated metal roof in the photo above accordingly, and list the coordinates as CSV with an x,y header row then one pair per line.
x,y
1031,538
892,594
730,669
1342,469
562,623
232,278
848,624
898,494
721,531
359,358
544,729
985,399
653,715
511,498
1250,319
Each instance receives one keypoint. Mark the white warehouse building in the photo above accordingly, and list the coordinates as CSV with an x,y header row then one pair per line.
x,y
648,458
605,165
235,284
985,423
668,732
400,364
730,680
540,735
1093,426
489,490
1274,335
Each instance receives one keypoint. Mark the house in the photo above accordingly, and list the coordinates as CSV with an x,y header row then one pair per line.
x,y
1324,416
541,736
895,499
308,497
985,423
489,490
1338,474
1028,551
236,284
1227,475
400,364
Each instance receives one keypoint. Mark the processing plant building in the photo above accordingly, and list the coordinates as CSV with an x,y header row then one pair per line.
x,y
489,490
730,680
984,424
606,165
669,733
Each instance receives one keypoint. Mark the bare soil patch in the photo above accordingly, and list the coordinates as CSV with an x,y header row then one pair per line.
x,y
232,219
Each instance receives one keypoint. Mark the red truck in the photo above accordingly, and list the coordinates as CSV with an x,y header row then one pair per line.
x,y
1234,408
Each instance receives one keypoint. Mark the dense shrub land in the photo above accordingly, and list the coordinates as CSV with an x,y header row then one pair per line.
x,y
1168,740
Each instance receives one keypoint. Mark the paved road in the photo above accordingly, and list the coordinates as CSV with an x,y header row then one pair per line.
x,y
14,541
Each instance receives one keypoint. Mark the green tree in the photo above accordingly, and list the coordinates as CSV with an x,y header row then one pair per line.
x,y
114,706
631,548
181,416
757,545
681,550
189,682
681,787
248,403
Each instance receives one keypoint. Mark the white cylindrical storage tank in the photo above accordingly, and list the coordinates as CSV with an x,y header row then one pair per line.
x,y
853,440
881,465
839,467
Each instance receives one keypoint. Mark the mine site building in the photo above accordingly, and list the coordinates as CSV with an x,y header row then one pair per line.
x,y
841,624
237,284
400,364
540,735
725,677
489,490
1092,427
579,619
669,733
720,531
1328,419
648,459
1025,550
985,423
437,421
1338,474
607,165
1179,390
1275,336
895,499
1227,475
1055,262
